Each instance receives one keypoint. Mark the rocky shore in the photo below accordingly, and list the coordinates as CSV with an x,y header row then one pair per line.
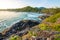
x,y
19,28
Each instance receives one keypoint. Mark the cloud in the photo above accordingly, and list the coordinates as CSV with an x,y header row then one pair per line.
x,y
34,3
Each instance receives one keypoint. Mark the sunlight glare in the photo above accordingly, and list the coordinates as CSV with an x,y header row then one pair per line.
x,y
4,4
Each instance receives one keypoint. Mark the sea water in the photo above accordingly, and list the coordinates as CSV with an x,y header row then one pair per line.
x,y
8,18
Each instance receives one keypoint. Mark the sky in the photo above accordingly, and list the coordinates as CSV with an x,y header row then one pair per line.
x,y
4,4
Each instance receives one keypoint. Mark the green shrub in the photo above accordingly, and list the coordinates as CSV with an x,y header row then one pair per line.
x,y
14,37
57,27
32,33
57,39
44,27
53,18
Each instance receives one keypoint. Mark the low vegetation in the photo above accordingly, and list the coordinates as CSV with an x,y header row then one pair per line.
x,y
51,23
35,9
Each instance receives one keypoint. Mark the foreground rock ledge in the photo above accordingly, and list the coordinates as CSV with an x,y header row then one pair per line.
x,y
19,28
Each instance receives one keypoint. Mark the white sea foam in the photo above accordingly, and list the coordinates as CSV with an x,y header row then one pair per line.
x,y
9,18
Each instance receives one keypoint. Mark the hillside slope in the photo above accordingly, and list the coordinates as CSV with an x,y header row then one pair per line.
x,y
50,27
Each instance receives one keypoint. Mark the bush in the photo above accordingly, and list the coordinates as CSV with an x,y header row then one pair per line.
x,y
44,26
14,37
57,39
53,18
32,33
57,27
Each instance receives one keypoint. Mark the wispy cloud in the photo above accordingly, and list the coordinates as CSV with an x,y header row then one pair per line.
x,y
22,3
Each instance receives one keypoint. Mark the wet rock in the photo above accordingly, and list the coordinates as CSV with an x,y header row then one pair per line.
x,y
1,36
21,26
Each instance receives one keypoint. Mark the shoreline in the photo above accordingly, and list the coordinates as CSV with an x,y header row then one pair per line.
x,y
7,32
4,33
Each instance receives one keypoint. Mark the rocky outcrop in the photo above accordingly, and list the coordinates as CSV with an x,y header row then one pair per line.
x,y
44,16
1,36
20,28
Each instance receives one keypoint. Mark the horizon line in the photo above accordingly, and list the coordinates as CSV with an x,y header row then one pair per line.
x,y
31,6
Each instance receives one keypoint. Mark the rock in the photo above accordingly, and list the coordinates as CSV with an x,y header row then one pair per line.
x,y
1,36
44,16
58,21
20,26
